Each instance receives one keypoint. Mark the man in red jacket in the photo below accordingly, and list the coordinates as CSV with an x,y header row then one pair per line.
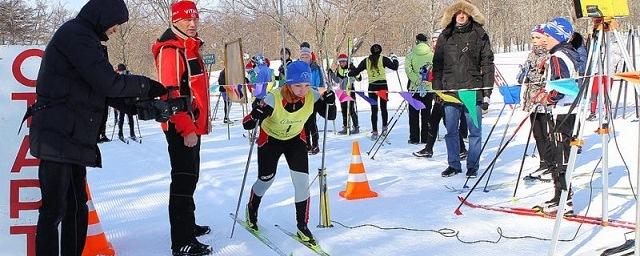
x,y
179,63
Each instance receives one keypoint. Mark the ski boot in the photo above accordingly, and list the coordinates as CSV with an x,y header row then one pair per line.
x,y
305,235
193,248
384,129
251,218
103,138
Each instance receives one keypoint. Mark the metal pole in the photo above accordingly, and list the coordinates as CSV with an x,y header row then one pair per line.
x,y
244,177
591,59
604,135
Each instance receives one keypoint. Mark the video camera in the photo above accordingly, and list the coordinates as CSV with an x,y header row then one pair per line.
x,y
162,110
601,8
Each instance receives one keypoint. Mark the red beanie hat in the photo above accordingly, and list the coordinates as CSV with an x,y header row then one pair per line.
x,y
342,57
184,9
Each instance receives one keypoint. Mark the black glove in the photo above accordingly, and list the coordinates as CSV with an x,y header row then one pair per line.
x,y
156,89
260,111
329,96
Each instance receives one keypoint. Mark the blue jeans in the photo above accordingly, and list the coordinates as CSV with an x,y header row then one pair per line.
x,y
452,114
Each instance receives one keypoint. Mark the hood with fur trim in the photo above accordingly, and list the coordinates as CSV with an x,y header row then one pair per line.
x,y
465,6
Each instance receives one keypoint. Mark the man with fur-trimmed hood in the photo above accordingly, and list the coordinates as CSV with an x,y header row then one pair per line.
x,y
463,60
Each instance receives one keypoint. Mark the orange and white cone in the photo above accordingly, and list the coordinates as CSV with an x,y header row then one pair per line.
x,y
357,183
96,243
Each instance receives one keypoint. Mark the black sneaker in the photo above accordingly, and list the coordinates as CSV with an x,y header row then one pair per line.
x,y
201,230
305,235
471,173
343,131
463,155
103,139
424,153
194,248
355,130
450,172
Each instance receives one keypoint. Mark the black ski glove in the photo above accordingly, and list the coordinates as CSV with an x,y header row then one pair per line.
x,y
261,111
329,96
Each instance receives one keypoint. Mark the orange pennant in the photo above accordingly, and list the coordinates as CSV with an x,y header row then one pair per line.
x,y
632,77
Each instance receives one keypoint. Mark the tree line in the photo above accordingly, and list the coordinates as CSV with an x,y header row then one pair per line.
x,y
325,24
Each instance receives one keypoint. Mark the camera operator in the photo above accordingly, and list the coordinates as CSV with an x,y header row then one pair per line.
x,y
74,82
179,63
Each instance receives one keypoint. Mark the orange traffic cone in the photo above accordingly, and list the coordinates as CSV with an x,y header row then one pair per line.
x,y
357,183
96,243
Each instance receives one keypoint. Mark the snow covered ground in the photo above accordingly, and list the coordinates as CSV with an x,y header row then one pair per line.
x,y
131,192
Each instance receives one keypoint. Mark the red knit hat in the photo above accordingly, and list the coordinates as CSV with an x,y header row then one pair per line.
x,y
342,57
184,9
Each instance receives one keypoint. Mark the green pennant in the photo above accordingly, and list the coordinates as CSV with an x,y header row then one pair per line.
x,y
468,98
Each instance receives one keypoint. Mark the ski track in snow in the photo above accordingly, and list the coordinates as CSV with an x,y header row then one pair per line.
x,y
131,192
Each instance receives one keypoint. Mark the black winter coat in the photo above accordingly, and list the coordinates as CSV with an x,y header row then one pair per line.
x,y
463,59
74,82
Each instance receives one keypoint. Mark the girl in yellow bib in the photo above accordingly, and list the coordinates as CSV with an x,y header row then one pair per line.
x,y
282,115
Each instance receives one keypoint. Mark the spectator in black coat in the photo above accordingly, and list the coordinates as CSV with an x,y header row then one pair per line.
x,y
74,82
463,60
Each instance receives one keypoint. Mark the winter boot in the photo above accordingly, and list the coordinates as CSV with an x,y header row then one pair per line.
x,y
343,131
355,130
193,248
201,230
472,173
450,172
424,153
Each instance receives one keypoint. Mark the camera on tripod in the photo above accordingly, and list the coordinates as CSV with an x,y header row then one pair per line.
x,y
601,8
162,110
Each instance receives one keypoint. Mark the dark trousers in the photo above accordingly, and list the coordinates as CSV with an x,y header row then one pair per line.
x,y
560,149
103,126
121,122
185,170
382,103
311,129
64,199
419,119
540,123
437,115
352,112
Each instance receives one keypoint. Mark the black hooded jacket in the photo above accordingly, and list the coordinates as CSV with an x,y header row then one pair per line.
x,y
463,59
74,82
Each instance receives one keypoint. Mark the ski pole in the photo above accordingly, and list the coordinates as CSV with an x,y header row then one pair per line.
x,y
493,162
325,216
386,134
487,140
526,147
215,109
513,109
139,132
246,170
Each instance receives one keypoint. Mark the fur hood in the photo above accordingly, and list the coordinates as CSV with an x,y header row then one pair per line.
x,y
461,5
